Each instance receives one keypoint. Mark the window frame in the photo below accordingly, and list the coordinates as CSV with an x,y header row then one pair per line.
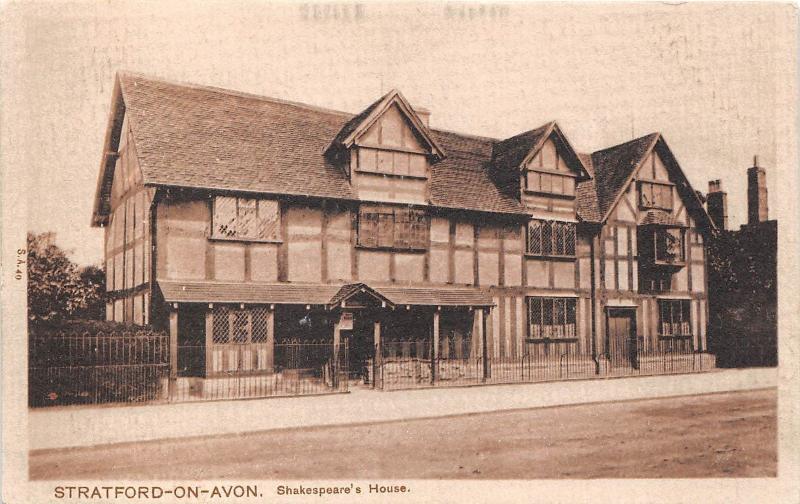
x,y
683,332
659,230
409,228
556,229
568,310
257,202
654,205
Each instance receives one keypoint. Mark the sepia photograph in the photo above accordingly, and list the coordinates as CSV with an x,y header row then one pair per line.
x,y
399,252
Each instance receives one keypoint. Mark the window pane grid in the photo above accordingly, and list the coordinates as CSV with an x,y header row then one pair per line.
x,y
552,318
551,238
675,317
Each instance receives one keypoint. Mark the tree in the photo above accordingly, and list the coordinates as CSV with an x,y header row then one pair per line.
x,y
57,288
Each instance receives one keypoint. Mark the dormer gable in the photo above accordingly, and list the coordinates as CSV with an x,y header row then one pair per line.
x,y
390,122
539,161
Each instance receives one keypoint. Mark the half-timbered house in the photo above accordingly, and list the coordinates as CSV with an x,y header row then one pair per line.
x,y
238,222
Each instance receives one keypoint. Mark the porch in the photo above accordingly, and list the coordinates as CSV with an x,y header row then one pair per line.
x,y
308,339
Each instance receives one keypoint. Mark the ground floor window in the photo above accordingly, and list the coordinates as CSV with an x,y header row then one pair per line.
x,y
675,317
233,324
551,317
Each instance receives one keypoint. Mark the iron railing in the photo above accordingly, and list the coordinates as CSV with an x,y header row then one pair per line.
x,y
94,369
68,369
293,367
404,364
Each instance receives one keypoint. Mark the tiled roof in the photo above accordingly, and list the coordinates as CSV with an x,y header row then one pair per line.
x,y
587,205
462,181
317,294
586,159
202,137
238,292
508,154
210,138
436,297
613,167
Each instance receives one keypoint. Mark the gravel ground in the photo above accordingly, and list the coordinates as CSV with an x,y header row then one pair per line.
x,y
719,435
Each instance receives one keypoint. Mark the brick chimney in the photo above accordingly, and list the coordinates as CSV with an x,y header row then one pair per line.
x,y
757,210
717,204
424,115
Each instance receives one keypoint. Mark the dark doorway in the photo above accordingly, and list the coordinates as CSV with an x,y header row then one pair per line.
x,y
360,345
622,341
192,340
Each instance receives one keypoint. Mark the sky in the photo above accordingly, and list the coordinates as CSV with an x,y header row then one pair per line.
x,y
707,76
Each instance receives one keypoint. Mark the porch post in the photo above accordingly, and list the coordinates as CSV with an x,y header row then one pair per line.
x,y
336,338
173,349
480,337
376,359
271,338
209,337
484,348
435,342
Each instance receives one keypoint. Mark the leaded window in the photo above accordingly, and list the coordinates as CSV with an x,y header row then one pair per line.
x,y
675,317
246,219
392,227
551,238
551,317
233,324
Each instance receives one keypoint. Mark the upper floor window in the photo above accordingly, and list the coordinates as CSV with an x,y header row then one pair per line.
x,y
392,162
551,317
669,247
655,195
675,317
246,219
392,227
550,183
548,173
551,238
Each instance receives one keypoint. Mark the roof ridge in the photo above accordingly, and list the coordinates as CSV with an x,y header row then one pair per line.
x,y
233,92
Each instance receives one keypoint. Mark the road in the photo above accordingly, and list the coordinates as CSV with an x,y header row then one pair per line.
x,y
719,435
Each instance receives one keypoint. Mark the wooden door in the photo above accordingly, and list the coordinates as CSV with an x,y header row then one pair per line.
x,y
622,337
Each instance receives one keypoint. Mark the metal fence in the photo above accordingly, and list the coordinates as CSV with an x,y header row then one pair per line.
x,y
68,369
404,364
294,367
94,369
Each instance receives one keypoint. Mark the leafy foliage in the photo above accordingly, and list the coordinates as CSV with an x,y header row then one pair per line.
x,y
57,287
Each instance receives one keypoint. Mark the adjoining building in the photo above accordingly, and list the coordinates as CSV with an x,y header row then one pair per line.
x,y
239,222
743,268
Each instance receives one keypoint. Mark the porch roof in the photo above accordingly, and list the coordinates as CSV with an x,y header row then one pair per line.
x,y
317,294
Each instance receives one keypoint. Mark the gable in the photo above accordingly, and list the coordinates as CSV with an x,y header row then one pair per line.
x,y
553,157
393,112
652,168
392,129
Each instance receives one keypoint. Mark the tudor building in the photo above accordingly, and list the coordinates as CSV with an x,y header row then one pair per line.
x,y
237,221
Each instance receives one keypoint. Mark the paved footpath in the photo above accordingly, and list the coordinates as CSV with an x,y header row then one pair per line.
x,y
63,427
